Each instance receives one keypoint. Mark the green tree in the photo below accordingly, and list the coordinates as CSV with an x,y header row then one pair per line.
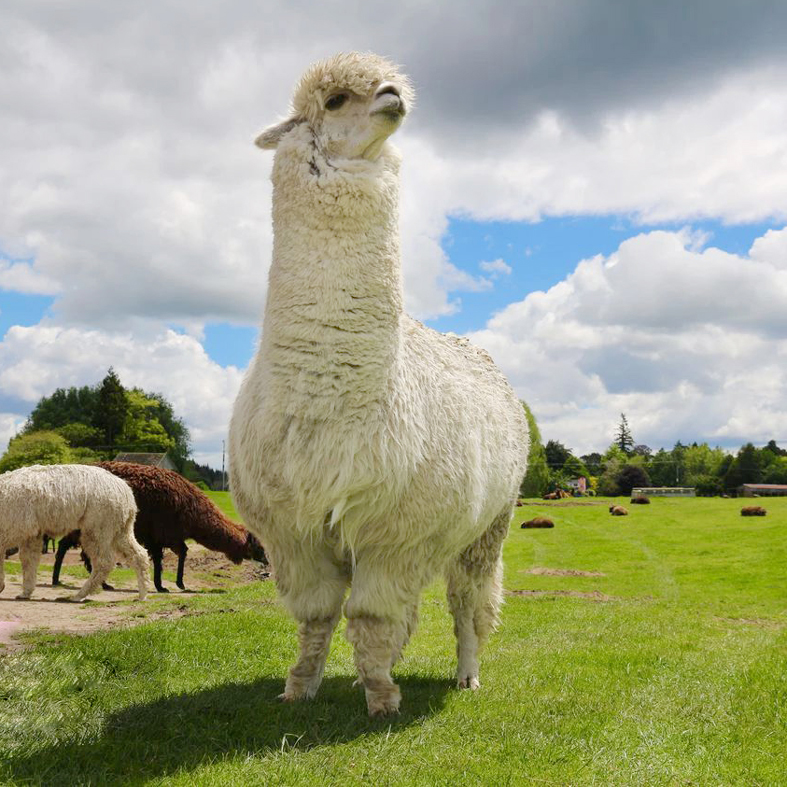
x,y
111,408
592,462
623,438
557,454
142,431
534,484
745,469
80,435
35,448
63,407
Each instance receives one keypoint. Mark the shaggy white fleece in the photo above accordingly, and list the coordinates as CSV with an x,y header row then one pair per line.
x,y
56,499
366,449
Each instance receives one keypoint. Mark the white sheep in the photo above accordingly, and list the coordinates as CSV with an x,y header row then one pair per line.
x,y
56,499
366,449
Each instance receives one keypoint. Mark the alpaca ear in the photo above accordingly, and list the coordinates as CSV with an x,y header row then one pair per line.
x,y
272,135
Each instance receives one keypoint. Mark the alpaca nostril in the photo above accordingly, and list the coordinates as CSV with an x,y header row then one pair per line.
x,y
388,87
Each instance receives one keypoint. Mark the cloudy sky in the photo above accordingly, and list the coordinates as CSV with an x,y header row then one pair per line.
x,y
594,191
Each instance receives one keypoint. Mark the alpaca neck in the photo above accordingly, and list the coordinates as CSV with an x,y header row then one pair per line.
x,y
331,327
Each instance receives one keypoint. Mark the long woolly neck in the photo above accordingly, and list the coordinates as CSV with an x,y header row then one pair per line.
x,y
331,327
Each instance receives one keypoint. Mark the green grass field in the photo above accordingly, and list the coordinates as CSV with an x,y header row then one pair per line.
x,y
664,663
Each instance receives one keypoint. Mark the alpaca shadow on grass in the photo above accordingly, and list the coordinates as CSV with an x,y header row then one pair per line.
x,y
180,732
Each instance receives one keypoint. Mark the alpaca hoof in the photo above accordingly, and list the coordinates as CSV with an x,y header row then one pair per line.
x,y
287,696
357,682
107,586
66,599
385,703
471,682
22,597
181,585
162,590
382,708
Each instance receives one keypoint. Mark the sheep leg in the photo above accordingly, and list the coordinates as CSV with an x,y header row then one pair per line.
x,y
474,597
30,555
136,557
312,587
157,553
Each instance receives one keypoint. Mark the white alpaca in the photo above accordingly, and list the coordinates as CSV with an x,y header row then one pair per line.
x,y
56,499
366,449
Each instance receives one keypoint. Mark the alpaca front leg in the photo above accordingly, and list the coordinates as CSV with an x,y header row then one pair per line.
x,y
312,587
30,555
305,677
376,644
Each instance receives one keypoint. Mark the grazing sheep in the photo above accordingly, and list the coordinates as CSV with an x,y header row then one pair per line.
x,y
538,521
366,450
753,511
618,511
641,500
171,509
56,499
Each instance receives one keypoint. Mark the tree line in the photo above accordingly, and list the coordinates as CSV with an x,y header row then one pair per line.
x,y
96,422
626,465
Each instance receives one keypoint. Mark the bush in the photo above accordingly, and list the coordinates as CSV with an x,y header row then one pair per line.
x,y
35,448
630,476
708,485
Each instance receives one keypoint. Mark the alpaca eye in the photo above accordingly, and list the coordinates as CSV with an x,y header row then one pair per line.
x,y
334,102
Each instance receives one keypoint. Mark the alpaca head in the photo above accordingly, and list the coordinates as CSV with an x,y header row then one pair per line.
x,y
351,102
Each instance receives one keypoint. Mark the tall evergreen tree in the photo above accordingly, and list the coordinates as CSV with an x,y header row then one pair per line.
x,y
623,436
112,407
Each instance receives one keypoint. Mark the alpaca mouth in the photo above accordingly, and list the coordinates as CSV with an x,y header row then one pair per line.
x,y
391,106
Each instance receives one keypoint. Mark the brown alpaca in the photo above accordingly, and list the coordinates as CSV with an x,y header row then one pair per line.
x,y
538,521
172,509
618,511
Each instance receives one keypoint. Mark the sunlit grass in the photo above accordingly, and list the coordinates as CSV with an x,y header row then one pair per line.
x,y
677,676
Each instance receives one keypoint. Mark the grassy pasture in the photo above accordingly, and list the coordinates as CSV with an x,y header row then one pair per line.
x,y
648,649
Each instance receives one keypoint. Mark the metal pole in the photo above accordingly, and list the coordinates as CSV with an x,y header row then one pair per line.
x,y
223,483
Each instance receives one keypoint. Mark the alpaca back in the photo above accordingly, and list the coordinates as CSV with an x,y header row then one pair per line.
x,y
54,499
172,509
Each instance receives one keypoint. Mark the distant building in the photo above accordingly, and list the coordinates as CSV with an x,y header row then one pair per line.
x,y
578,485
156,460
762,490
664,491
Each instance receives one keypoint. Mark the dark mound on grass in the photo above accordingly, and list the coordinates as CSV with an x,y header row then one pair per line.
x,y
753,511
538,521
640,500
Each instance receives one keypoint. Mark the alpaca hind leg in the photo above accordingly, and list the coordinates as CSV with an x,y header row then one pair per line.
x,y
475,595
137,558
30,555
102,561
312,587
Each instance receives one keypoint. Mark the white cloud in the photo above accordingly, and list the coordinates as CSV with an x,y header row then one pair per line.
x,y
495,267
689,344
34,361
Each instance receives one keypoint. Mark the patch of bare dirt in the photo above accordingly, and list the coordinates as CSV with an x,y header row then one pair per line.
x,y
592,595
564,503
561,572
205,572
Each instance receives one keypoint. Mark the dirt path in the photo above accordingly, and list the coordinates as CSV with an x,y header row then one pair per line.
x,y
205,570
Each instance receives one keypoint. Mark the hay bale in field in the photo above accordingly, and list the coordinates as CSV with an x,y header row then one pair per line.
x,y
640,500
538,521
753,511
618,511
